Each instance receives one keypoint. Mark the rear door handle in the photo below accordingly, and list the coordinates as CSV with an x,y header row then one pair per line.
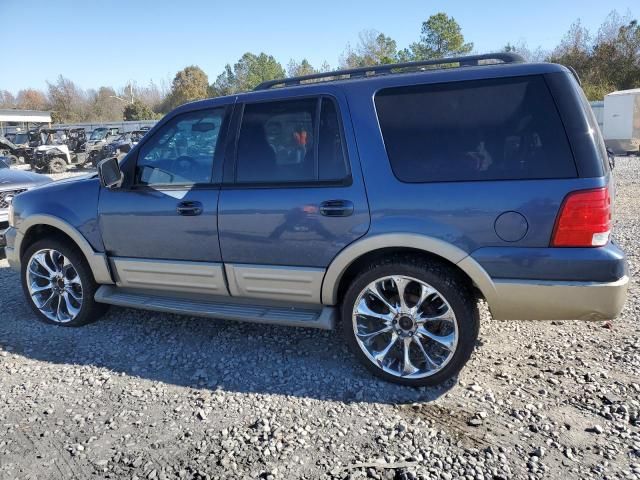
x,y
189,209
336,208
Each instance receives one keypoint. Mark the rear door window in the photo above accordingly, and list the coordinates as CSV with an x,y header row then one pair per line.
x,y
495,129
290,141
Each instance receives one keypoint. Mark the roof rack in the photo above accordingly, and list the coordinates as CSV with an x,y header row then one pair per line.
x,y
374,70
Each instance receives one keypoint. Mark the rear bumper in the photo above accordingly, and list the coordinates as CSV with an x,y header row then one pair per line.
x,y
517,299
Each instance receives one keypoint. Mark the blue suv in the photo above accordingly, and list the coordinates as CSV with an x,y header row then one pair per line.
x,y
389,199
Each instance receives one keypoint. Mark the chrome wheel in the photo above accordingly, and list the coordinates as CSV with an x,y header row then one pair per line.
x,y
405,326
54,285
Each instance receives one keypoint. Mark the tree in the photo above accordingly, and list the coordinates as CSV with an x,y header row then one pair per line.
x,y
7,100
574,49
31,99
246,74
441,36
608,62
616,55
68,103
138,110
295,69
522,49
188,85
105,106
373,48
151,95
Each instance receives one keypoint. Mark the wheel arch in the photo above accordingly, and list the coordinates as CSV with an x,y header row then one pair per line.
x,y
36,227
350,260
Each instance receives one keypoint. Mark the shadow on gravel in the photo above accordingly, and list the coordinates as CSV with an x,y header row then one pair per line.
x,y
201,353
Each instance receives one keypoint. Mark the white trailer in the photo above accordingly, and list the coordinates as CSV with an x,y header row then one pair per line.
x,y
598,111
622,121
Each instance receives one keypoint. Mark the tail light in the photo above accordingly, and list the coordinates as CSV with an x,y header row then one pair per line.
x,y
584,219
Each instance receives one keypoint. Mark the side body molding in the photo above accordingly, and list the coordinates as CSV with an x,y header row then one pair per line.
x,y
455,255
97,261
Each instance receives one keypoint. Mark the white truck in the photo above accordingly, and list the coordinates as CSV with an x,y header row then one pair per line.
x,y
622,121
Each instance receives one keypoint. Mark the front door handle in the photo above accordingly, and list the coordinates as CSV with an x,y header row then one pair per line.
x,y
336,208
189,209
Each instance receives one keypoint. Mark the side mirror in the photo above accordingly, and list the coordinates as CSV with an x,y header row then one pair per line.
x,y
110,174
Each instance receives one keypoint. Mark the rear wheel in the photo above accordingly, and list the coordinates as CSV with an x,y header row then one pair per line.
x,y
410,321
57,165
14,160
58,284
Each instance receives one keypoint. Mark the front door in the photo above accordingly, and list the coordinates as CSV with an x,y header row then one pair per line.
x,y
294,200
160,228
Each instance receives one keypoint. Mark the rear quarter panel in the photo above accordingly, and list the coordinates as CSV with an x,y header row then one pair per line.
x,y
460,213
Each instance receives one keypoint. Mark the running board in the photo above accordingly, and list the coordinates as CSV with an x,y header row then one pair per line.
x,y
323,317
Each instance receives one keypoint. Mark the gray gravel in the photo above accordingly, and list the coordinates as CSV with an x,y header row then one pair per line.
x,y
142,395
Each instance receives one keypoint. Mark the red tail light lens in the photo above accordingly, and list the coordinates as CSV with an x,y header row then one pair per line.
x,y
584,219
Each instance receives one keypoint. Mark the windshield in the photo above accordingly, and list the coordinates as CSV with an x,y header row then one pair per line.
x,y
21,138
98,134
55,138
3,164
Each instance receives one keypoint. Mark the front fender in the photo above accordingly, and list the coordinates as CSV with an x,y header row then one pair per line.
x,y
97,261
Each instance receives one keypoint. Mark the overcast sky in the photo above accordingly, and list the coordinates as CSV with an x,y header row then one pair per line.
x,y
107,42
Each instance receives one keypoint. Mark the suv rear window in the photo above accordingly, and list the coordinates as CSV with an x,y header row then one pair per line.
x,y
495,129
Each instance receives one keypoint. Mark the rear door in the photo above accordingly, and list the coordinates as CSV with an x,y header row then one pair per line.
x,y
293,197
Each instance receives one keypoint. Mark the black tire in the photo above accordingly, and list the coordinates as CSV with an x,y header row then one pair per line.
x,y
57,165
450,283
14,160
90,310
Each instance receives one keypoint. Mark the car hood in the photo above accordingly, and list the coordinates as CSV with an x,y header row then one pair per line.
x,y
17,178
69,181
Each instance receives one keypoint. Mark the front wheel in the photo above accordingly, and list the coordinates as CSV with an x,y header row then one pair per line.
x,y
411,321
57,165
58,284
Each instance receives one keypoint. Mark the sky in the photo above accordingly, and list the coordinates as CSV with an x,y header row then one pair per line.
x,y
112,42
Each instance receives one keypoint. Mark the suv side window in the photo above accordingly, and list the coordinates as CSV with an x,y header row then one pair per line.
x,y
182,152
496,129
290,141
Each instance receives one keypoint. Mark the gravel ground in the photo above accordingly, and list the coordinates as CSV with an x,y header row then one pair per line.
x,y
144,395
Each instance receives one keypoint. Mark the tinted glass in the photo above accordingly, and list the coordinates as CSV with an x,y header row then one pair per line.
x,y
277,143
331,160
182,152
493,129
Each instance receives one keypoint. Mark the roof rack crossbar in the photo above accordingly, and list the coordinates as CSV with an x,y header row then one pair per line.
x,y
465,61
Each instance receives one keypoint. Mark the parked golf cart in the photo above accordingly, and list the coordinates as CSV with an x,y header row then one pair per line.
x,y
63,148
121,145
98,139
10,151
26,142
